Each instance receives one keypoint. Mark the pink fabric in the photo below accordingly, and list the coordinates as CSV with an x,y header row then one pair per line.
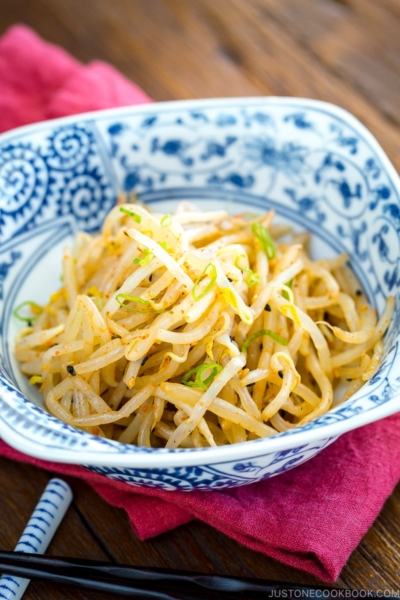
x,y
40,81
311,517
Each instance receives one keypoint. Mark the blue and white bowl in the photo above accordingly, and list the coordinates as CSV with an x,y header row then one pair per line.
x,y
312,162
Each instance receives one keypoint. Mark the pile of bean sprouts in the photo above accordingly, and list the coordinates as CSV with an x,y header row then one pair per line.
x,y
198,329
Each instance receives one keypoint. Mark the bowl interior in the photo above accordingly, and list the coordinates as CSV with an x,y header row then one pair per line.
x,y
40,277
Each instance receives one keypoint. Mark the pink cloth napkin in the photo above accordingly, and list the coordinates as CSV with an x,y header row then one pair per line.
x,y
311,517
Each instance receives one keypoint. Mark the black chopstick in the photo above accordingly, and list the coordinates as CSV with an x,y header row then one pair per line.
x,y
145,582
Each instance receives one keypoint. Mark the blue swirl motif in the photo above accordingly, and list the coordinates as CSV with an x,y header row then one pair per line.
x,y
88,197
23,178
68,147
304,162
24,184
65,174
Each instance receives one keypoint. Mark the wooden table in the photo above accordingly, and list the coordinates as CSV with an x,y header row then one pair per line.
x,y
343,51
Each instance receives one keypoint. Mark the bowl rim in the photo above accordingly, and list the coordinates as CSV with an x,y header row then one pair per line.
x,y
221,454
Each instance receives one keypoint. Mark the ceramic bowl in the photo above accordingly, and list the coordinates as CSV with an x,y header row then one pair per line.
x,y
312,162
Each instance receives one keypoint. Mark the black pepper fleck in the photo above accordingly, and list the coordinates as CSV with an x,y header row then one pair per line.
x,y
150,277
261,347
231,338
358,292
280,373
144,361
71,370
349,379
229,279
267,308
29,324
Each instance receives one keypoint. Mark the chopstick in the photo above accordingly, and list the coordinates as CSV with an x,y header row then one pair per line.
x,y
38,532
146,583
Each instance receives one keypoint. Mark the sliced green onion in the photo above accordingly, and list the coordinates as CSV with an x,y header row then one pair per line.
x,y
284,292
135,299
147,256
213,279
252,279
277,338
165,246
262,332
265,239
34,308
198,371
134,216
166,221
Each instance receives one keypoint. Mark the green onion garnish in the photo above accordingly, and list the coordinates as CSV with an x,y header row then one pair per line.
x,y
284,292
198,371
165,246
265,239
252,279
135,299
213,279
35,308
166,221
134,216
262,332
277,338
147,256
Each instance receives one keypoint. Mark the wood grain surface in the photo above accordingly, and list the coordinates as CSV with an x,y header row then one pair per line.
x,y
343,51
